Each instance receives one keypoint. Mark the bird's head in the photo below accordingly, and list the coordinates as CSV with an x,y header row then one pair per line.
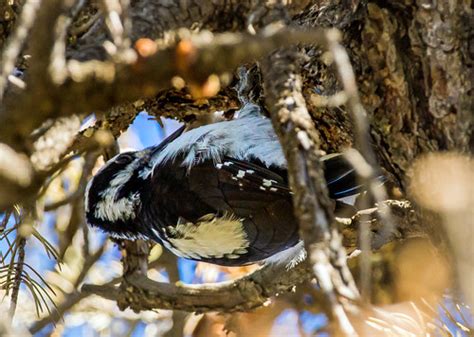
x,y
113,196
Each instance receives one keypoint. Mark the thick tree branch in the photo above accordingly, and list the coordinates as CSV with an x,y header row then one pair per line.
x,y
313,209
251,291
156,19
141,293
98,85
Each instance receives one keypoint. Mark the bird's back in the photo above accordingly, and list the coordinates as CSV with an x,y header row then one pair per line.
x,y
218,193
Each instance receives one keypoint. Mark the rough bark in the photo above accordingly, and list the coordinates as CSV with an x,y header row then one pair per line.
x,y
249,292
413,63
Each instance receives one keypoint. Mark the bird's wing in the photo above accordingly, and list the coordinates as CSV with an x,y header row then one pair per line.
x,y
241,185
256,195
232,212
201,212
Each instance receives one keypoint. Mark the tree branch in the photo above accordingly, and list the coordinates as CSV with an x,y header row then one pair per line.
x,y
74,297
17,278
157,19
140,293
408,224
16,41
364,161
95,86
313,209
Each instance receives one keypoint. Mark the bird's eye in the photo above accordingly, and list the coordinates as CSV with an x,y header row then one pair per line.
x,y
124,158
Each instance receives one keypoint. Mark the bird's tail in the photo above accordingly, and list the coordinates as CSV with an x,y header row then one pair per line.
x,y
341,176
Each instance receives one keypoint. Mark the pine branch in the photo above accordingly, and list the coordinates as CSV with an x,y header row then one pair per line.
x,y
17,278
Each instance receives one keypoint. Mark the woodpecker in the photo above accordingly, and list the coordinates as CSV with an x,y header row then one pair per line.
x,y
218,193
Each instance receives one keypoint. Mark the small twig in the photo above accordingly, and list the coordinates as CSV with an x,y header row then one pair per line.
x,y
90,160
118,25
127,21
85,235
71,300
6,218
83,28
18,275
54,172
364,172
57,67
41,45
179,317
113,12
361,125
67,200
74,297
88,263
16,42
365,163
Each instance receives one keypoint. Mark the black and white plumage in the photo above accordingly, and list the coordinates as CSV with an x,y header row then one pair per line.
x,y
218,193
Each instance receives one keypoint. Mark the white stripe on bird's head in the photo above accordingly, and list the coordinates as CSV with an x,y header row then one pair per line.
x,y
103,194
